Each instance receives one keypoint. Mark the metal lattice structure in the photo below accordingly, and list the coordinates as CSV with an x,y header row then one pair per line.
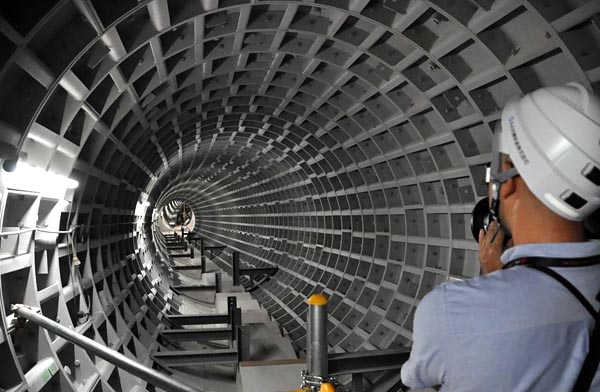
x,y
342,141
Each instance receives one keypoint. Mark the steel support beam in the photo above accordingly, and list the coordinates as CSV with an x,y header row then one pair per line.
x,y
181,255
199,335
202,255
258,271
218,282
243,343
235,263
194,288
251,272
175,359
367,361
187,267
204,319
191,236
214,250
217,247
177,247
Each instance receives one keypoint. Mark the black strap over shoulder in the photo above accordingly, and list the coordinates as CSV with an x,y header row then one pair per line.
x,y
590,364
552,262
569,286
592,360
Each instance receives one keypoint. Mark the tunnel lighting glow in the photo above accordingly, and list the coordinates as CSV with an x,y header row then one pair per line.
x,y
44,142
141,207
71,183
27,177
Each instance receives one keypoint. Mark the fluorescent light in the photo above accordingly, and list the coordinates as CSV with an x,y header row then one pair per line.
x,y
71,183
30,178
141,207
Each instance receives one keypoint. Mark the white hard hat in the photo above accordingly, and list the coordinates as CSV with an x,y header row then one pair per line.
x,y
553,138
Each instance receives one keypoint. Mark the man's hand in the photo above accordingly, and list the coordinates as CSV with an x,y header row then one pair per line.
x,y
491,248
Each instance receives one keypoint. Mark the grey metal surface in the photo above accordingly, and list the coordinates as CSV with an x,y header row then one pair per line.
x,y
367,361
201,319
197,335
343,141
253,272
238,271
317,353
175,359
194,288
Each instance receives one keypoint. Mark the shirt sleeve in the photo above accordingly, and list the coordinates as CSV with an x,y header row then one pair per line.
x,y
427,364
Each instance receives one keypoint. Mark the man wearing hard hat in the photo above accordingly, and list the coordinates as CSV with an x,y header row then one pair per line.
x,y
531,322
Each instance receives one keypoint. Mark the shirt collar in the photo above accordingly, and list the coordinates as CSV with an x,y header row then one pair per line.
x,y
559,250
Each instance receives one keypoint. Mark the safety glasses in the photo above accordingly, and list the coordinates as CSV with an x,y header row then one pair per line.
x,y
494,170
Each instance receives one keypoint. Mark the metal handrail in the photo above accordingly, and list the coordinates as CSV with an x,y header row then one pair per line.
x,y
121,361
17,232
71,230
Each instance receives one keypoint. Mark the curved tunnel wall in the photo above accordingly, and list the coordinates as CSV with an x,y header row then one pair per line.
x,y
344,141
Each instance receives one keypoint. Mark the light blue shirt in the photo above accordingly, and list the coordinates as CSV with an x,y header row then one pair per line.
x,y
511,330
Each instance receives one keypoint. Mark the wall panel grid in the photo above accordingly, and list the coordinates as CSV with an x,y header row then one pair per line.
x,y
344,141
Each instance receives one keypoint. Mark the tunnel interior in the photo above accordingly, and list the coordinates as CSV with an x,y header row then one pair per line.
x,y
344,142
174,216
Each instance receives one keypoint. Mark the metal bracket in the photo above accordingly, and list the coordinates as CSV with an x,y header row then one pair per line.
x,y
251,272
14,321
313,383
214,251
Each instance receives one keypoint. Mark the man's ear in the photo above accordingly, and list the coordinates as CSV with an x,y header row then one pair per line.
x,y
509,187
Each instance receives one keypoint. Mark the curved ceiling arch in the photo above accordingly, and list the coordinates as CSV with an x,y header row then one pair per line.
x,y
344,141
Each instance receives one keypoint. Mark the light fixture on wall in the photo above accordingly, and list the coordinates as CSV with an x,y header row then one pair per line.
x,y
30,178
142,205
9,165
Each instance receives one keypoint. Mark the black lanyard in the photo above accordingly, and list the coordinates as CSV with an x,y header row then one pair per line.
x,y
590,364
549,262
